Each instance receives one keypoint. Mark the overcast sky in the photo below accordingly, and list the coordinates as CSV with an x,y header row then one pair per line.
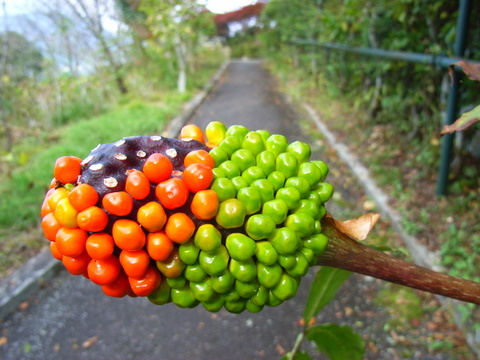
x,y
216,6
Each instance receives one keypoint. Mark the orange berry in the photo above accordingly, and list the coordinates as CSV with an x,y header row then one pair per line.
x,y
137,185
152,216
55,253
128,235
100,245
77,265
83,196
192,131
197,177
67,169
119,288
71,241
159,245
50,226
92,219
45,209
157,168
179,227
56,196
134,263
118,203
149,281
172,193
199,157
105,271
205,204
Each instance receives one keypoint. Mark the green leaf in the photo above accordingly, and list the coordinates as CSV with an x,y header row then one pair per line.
x,y
466,120
299,355
338,342
323,289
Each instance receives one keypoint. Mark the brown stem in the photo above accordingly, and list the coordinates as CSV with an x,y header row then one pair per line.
x,y
344,253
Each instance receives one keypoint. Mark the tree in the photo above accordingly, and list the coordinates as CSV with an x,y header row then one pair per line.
x,y
178,26
93,17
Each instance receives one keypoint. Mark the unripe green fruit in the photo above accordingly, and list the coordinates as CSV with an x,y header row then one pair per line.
x,y
309,207
264,134
238,131
265,188
202,290
277,179
243,270
243,158
286,261
285,241
286,288
224,188
266,253
194,273
325,190
239,182
214,262
287,164
310,172
214,304
302,223
266,161
253,173
254,142
317,242
269,275
176,283
323,168
301,265
290,195
231,214
251,307
230,168
223,282
219,155
230,144
246,289
276,144
240,246
299,183
273,300
188,252
251,199
235,307
207,238
184,297
261,296
276,209
300,150
161,295
260,226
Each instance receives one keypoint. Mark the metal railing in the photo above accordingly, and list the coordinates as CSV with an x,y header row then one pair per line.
x,y
427,59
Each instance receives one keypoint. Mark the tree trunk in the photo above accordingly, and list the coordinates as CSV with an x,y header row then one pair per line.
x,y
182,66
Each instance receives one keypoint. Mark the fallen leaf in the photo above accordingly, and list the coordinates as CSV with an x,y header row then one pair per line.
x,y
280,350
470,69
467,119
89,342
358,229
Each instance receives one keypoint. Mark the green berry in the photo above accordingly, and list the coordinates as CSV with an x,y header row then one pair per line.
x,y
251,199
243,158
243,270
260,226
214,304
286,288
266,253
277,144
276,209
238,131
214,262
240,246
264,134
223,282
309,207
325,190
219,155
177,283
161,295
202,290
317,242
323,168
236,307
299,183
265,188
224,188
240,182
188,252
231,214
230,168
286,261
302,223
269,275
300,150
254,142
230,144
194,273
285,240
301,265
290,195
277,179
310,172
207,238
251,307
266,161
253,173
287,164
246,289
184,297
261,296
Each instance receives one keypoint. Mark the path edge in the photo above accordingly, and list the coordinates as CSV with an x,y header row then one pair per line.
x,y
24,281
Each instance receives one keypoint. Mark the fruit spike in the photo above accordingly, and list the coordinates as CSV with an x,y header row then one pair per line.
x,y
228,218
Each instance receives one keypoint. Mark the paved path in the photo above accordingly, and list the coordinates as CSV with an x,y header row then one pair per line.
x,y
71,319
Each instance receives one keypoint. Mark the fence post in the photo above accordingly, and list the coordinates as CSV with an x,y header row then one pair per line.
x,y
453,95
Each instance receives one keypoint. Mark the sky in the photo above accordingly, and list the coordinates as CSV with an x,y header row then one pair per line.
x,y
216,6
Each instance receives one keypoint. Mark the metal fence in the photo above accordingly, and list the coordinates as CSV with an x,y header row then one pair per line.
x,y
427,59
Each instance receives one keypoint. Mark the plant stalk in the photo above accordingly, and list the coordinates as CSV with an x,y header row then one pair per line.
x,y
345,253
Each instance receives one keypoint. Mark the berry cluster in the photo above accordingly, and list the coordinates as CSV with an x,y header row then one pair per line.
x,y
230,222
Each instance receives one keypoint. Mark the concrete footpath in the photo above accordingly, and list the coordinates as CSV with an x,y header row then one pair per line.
x,y
67,317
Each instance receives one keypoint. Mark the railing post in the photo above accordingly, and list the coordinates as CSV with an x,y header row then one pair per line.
x,y
452,105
